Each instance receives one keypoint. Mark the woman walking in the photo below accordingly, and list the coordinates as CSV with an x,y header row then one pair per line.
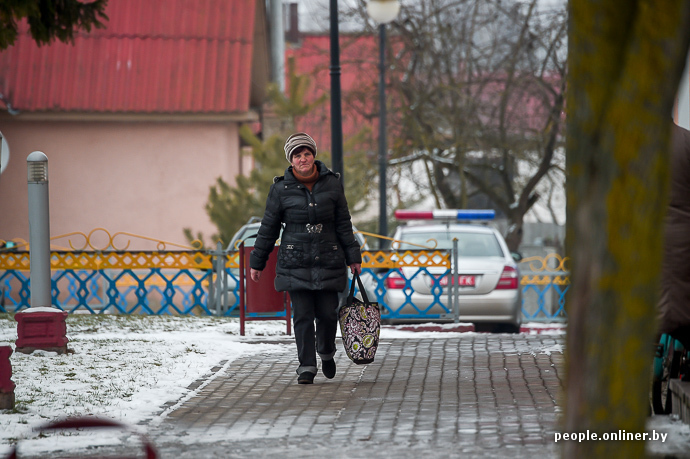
x,y
316,247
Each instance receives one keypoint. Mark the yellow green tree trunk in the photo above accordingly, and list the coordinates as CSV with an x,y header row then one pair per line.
x,y
624,66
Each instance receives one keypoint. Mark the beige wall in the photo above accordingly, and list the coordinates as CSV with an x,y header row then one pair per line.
x,y
147,178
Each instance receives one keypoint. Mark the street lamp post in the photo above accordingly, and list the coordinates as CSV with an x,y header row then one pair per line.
x,y
336,108
383,12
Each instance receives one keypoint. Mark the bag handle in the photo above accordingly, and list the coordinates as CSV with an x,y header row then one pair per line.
x,y
351,296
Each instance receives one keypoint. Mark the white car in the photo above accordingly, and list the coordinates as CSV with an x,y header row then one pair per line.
x,y
488,279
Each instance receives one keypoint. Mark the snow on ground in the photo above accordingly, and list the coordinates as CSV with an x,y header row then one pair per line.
x,y
123,368
126,368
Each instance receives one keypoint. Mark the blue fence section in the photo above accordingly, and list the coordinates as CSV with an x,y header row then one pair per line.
x,y
542,302
395,293
159,291
148,291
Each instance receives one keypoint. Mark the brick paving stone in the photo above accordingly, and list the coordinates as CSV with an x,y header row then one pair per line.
x,y
451,396
473,395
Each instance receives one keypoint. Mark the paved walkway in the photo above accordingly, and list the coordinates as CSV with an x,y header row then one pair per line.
x,y
475,395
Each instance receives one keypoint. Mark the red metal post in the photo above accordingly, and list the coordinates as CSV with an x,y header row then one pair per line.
x,y
262,299
6,384
242,278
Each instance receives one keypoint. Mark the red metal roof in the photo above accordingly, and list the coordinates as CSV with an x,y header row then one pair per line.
x,y
155,56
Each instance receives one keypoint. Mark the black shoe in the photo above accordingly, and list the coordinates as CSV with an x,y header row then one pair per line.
x,y
305,378
328,368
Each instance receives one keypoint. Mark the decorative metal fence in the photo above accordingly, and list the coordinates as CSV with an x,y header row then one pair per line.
x,y
382,271
184,282
172,282
545,282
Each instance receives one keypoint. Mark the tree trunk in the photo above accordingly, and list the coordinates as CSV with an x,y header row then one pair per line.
x,y
514,235
625,63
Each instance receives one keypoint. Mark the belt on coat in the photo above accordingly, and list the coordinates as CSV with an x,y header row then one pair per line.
x,y
308,228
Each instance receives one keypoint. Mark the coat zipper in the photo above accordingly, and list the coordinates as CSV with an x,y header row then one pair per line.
x,y
312,206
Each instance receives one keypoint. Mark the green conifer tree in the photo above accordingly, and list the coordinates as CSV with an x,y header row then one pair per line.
x,y
49,20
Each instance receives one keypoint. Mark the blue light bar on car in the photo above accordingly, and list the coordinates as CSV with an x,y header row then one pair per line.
x,y
446,214
479,214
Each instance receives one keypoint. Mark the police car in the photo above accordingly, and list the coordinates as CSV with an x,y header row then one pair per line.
x,y
489,293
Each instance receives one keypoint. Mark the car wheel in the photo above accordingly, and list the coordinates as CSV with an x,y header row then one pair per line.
x,y
508,328
484,328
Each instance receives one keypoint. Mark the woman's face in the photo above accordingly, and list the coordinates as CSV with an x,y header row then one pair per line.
x,y
302,161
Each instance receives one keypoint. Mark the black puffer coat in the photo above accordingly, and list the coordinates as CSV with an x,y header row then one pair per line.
x,y
307,261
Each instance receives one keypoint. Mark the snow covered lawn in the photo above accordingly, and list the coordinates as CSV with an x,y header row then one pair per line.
x,y
126,368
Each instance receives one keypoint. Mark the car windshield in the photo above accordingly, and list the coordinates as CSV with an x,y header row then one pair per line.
x,y
469,244
249,236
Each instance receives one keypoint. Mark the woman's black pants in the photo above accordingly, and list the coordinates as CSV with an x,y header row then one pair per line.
x,y
309,306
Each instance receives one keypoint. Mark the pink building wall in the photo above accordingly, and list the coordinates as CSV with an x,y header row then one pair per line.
x,y
143,177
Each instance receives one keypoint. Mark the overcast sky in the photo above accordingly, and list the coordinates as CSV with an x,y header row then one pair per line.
x,y
314,17
314,13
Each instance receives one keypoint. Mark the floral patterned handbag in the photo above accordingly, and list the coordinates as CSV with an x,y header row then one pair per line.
x,y
360,325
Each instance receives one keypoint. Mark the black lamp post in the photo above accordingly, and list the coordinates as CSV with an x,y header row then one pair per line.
x,y
383,12
336,106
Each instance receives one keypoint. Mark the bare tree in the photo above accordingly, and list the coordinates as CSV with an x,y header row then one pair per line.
x,y
476,89
626,60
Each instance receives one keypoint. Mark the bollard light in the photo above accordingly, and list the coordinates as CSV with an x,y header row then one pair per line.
x,y
37,167
42,326
39,229
383,12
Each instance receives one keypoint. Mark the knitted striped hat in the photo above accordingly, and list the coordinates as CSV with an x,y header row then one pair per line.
x,y
297,140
